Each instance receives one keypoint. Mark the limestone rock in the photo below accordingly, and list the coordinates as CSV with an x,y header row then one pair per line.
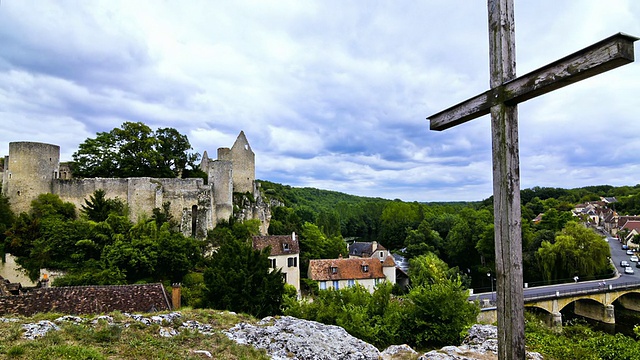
x,y
398,351
480,343
38,329
287,337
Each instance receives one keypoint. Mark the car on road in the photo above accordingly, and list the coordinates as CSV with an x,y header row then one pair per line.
x,y
634,258
624,263
625,247
628,270
629,252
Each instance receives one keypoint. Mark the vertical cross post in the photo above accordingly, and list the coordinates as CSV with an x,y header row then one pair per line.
x,y
506,185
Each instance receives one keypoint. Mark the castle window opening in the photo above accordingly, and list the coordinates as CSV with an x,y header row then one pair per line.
x,y
18,193
194,220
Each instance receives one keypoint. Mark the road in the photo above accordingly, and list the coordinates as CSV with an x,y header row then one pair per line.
x,y
617,255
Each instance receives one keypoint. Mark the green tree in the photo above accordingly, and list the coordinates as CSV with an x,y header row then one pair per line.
x,y
438,313
6,220
315,245
577,251
429,269
41,237
460,244
239,279
97,207
397,219
134,150
422,240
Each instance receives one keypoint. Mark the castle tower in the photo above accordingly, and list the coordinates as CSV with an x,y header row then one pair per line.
x,y
244,164
233,171
220,178
30,170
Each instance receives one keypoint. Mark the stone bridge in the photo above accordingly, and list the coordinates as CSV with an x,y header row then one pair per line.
x,y
596,303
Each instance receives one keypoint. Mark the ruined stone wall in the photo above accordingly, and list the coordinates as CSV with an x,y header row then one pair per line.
x,y
76,191
88,300
189,198
142,195
65,171
30,169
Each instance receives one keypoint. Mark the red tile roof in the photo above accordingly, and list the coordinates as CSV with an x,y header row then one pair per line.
x,y
346,269
280,244
632,225
388,262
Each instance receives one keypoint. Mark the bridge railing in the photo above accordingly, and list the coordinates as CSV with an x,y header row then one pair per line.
x,y
597,288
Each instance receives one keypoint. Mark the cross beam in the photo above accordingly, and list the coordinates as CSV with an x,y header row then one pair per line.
x,y
607,54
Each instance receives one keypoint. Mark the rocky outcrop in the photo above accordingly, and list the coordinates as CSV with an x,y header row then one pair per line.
x,y
247,208
287,337
291,338
480,343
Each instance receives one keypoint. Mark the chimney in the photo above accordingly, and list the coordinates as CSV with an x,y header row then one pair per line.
x,y
176,295
293,236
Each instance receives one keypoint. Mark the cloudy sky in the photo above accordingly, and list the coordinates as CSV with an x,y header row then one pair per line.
x,y
330,94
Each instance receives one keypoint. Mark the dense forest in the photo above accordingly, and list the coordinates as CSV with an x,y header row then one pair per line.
x,y
461,234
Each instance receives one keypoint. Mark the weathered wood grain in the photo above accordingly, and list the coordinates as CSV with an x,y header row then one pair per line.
x,y
607,54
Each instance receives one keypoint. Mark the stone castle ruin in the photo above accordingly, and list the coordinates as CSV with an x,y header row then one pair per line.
x,y
33,168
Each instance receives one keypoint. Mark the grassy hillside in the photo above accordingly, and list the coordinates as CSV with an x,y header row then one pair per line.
x,y
125,338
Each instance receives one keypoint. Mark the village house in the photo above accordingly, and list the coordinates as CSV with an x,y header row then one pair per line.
x,y
284,255
367,250
340,273
627,232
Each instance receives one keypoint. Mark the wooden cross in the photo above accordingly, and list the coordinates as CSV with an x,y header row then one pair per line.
x,y
501,101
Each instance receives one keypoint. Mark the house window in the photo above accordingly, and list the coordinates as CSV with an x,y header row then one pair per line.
x,y
284,277
381,254
365,268
336,284
334,270
377,281
351,282
285,247
272,263
292,262
323,285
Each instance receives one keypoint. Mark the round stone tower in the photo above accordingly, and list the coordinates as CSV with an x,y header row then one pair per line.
x,y
29,172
